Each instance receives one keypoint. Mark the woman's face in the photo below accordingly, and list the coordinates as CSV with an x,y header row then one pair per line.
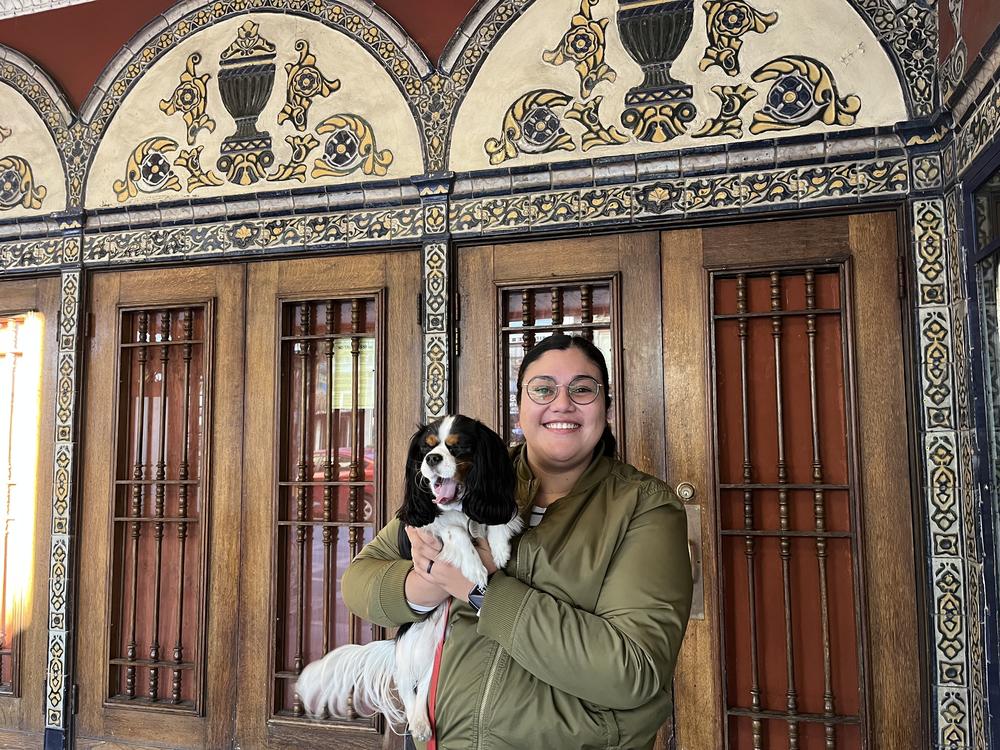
x,y
562,435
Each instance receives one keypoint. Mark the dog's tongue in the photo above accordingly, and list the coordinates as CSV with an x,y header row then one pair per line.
x,y
444,490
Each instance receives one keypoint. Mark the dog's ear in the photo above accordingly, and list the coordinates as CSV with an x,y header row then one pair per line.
x,y
490,483
418,507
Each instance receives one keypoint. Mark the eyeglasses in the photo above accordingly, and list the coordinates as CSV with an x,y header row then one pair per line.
x,y
582,390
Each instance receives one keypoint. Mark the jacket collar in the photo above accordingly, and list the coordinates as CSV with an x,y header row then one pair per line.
x,y
598,470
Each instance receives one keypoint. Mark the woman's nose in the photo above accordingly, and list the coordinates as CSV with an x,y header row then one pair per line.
x,y
562,401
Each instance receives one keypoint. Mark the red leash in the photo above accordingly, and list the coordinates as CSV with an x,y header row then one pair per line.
x,y
432,695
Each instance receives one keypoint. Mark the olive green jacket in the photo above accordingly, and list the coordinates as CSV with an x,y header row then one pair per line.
x,y
578,637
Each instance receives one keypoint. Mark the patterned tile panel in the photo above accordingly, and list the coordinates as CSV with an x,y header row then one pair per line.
x,y
981,128
435,325
62,492
910,30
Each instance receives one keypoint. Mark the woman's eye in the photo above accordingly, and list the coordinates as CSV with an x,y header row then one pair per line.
x,y
541,390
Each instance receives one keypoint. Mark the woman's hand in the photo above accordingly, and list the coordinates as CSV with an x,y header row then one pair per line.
x,y
433,586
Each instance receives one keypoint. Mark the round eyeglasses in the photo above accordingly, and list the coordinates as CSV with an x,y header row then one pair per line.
x,y
582,390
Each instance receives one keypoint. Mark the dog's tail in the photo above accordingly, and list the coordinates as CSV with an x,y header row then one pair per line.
x,y
352,681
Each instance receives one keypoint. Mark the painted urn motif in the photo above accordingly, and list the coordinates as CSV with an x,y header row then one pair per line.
x,y
246,77
654,32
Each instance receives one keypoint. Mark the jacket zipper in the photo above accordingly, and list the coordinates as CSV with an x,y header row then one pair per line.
x,y
498,654
486,694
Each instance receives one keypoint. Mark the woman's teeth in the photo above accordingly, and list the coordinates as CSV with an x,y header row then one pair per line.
x,y
561,426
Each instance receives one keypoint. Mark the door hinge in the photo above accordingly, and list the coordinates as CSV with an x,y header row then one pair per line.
x,y
420,310
901,275
74,698
456,341
458,307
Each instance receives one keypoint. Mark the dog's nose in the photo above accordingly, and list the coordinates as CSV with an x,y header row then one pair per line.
x,y
433,459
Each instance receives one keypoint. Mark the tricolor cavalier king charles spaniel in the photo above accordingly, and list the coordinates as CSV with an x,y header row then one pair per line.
x,y
459,485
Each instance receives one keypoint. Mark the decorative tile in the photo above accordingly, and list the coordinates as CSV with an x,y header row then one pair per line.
x,y
61,486
58,581
981,128
55,687
435,325
952,717
941,483
909,30
926,171
936,372
929,244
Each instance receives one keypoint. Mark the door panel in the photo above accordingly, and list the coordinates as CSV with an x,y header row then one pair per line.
x,y
493,342
337,398
28,357
806,516
777,354
159,524
628,264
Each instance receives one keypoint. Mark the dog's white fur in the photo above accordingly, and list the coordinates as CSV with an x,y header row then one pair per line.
x,y
374,678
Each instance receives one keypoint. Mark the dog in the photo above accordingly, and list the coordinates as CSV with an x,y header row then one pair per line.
x,y
459,486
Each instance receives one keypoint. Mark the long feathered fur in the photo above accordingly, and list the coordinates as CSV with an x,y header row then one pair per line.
x,y
393,677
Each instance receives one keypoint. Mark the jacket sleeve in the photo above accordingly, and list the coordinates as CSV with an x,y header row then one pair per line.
x,y
623,654
372,586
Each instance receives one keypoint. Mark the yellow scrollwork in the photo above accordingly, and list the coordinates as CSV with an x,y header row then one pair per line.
x,y
190,98
659,122
531,126
728,21
17,185
199,178
584,44
249,44
803,92
350,146
598,134
148,169
305,83
302,146
727,122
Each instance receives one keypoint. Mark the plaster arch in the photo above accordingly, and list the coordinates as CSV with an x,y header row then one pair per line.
x,y
736,60
35,128
324,90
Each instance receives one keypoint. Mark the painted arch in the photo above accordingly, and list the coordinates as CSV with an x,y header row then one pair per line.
x,y
34,123
571,79
229,98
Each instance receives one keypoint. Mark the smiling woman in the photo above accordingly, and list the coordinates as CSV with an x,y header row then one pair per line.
x,y
574,640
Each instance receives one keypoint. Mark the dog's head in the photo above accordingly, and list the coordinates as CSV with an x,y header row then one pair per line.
x,y
457,463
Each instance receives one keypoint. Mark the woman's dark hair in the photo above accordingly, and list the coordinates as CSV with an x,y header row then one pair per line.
x,y
561,341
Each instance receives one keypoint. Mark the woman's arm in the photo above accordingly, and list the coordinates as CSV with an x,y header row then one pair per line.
x,y
622,655
374,584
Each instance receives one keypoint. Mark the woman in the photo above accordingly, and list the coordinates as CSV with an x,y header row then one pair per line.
x,y
574,644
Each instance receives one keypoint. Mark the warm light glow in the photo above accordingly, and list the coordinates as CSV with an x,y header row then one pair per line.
x,y
21,338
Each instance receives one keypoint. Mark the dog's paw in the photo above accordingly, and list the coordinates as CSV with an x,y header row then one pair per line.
x,y
421,730
478,575
501,554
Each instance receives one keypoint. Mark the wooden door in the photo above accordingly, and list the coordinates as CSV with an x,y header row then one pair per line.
x,y
28,348
160,509
333,395
785,374
828,538
605,288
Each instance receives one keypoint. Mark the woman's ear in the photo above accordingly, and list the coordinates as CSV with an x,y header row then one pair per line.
x,y
418,508
490,483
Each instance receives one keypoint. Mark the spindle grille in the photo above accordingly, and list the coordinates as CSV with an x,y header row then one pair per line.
x,y
160,507
530,314
327,474
788,499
